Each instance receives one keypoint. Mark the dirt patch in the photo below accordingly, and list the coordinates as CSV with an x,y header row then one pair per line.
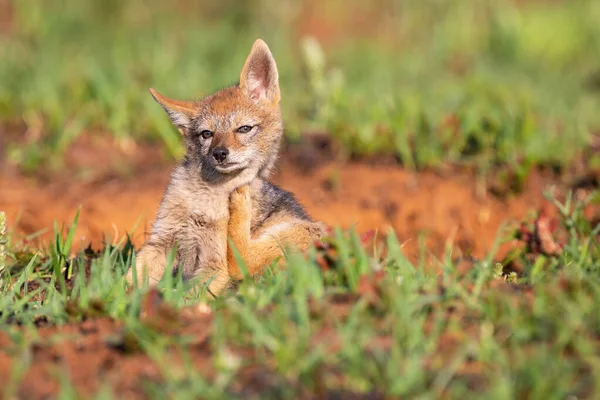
x,y
118,189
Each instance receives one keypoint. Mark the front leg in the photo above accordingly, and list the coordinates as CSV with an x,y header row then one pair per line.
x,y
238,230
209,257
151,262
267,243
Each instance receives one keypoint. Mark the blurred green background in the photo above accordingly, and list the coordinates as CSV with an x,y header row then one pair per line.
x,y
478,82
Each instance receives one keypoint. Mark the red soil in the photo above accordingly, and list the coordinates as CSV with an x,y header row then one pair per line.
x,y
117,189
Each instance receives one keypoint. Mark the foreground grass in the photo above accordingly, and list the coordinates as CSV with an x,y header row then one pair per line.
x,y
345,321
485,83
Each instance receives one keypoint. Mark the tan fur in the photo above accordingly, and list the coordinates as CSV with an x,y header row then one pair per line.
x,y
193,216
201,205
267,243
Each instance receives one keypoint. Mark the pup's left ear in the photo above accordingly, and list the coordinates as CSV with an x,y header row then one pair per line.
x,y
180,112
259,78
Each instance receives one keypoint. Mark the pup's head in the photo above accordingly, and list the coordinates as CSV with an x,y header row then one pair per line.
x,y
238,127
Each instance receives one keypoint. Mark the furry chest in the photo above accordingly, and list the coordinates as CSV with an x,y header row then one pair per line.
x,y
200,234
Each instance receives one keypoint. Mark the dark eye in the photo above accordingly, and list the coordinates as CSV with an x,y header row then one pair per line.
x,y
206,134
244,129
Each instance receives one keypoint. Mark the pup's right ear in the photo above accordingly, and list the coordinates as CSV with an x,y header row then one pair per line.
x,y
180,112
259,78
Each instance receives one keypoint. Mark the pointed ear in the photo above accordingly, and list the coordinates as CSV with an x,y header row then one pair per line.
x,y
259,78
180,112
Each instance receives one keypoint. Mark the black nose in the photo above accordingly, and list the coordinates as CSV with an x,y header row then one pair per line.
x,y
220,154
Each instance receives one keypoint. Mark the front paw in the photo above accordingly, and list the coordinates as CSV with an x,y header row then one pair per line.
x,y
240,199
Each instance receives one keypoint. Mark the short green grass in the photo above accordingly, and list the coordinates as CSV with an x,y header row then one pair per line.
x,y
482,83
405,330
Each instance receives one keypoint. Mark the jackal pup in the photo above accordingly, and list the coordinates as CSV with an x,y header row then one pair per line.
x,y
220,189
